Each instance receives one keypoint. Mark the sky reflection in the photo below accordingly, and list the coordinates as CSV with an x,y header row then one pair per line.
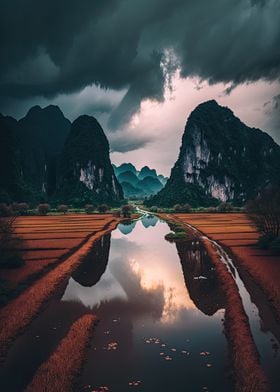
x,y
139,272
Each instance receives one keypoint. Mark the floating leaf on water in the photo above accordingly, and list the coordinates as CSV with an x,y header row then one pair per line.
x,y
168,358
161,353
173,349
134,383
111,346
208,365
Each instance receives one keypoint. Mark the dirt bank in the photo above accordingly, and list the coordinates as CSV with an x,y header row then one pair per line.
x,y
61,370
249,374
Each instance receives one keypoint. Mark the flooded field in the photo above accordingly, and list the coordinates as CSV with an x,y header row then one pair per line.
x,y
161,325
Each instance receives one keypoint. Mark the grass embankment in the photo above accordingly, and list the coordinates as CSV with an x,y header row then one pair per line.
x,y
238,233
249,374
248,371
15,316
60,371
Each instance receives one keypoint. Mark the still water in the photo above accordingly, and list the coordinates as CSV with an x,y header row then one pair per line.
x,y
161,317
161,323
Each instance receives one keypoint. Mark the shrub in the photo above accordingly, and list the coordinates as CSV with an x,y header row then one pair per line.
x,y
89,208
154,209
182,208
5,210
9,255
265,240
225,207
178,236
117,214
265,211
275,244
43,209
22,208
102,208
62,208
211,210
127,210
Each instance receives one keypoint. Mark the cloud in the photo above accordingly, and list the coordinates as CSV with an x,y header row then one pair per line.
x,y
54,48
272,112
125,141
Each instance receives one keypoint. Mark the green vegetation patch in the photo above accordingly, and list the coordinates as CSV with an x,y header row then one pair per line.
x,y
176,236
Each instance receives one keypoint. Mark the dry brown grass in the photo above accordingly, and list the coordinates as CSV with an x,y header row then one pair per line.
x,y
60,371
15,316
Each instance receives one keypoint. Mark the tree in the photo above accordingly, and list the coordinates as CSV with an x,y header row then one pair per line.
x,y
22,208
62,208
10,257
265,211
89,208
5,210
127,210
103,208
225,207
43,209
182,208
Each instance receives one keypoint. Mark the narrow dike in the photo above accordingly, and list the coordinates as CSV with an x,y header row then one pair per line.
x,y
61,370
249,375
18,314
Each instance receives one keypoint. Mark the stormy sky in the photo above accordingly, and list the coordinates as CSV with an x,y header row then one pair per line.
x,y
141,66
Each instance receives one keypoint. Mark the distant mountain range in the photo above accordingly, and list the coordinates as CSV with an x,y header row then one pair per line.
x,y
221,159
139,184
45,157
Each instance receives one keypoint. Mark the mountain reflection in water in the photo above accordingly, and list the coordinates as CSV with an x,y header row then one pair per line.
x,y
200,277
148,296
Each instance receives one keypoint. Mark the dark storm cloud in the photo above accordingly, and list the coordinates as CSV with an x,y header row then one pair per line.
x,y
54,47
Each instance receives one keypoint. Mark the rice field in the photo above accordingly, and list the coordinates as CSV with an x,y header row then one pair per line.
x,y
236,232
45,241
19,312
